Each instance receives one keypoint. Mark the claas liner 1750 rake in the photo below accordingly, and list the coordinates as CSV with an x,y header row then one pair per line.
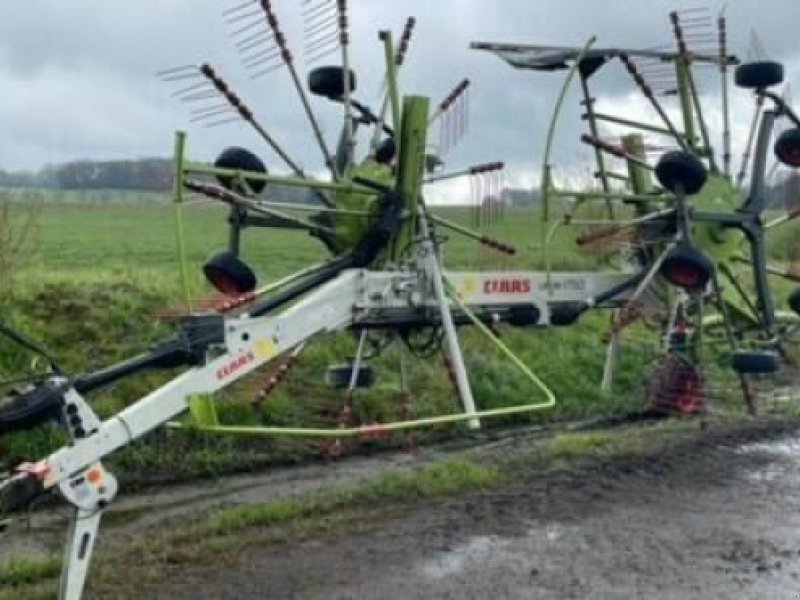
x,y
385,275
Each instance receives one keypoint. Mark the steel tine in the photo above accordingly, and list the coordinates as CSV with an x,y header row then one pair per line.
x,y
321,52
260,63
309,11
322,55
257,60
173,78
316,11
271,51
257,66
196,97
248,27
309,6
173,70
212,108
319,18
223,122
242,17
269,70
211,115
323,41
311,29
317,45
237,8
256,44
207,95
320,27
190,88
313,46
266,35
327,28
207,117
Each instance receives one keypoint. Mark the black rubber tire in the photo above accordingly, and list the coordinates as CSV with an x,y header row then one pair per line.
x,y
17,493
759,75
386,151
787,147
687,267
240,159
29,409
338,376
755,362
329,82
229,274
681,170
794,300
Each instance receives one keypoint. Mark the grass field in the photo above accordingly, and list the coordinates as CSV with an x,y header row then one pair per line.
x,y
99,272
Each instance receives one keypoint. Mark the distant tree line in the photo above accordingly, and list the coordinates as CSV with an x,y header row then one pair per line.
x,y
147,174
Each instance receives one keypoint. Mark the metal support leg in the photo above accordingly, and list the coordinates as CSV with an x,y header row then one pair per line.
x,y
80,543
612,359
236,218
434,270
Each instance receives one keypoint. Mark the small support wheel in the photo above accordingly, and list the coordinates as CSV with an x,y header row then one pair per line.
x,y
759,75
787,147
755,362
229,274
239,159
339,376
386,151
687,267
794,300
329,82
681,171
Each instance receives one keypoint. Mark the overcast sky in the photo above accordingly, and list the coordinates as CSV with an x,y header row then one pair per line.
x,y
77,78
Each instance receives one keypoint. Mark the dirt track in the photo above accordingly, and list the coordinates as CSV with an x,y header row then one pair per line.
x,y
710,519
716,515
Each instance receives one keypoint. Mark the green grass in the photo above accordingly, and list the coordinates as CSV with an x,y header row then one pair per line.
x,y
24,570
441,479
103,270
569,445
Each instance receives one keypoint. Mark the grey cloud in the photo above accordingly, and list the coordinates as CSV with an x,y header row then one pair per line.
x,y
77,78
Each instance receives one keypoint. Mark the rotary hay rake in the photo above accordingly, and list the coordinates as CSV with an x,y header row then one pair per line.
x,y
696,242
385,279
